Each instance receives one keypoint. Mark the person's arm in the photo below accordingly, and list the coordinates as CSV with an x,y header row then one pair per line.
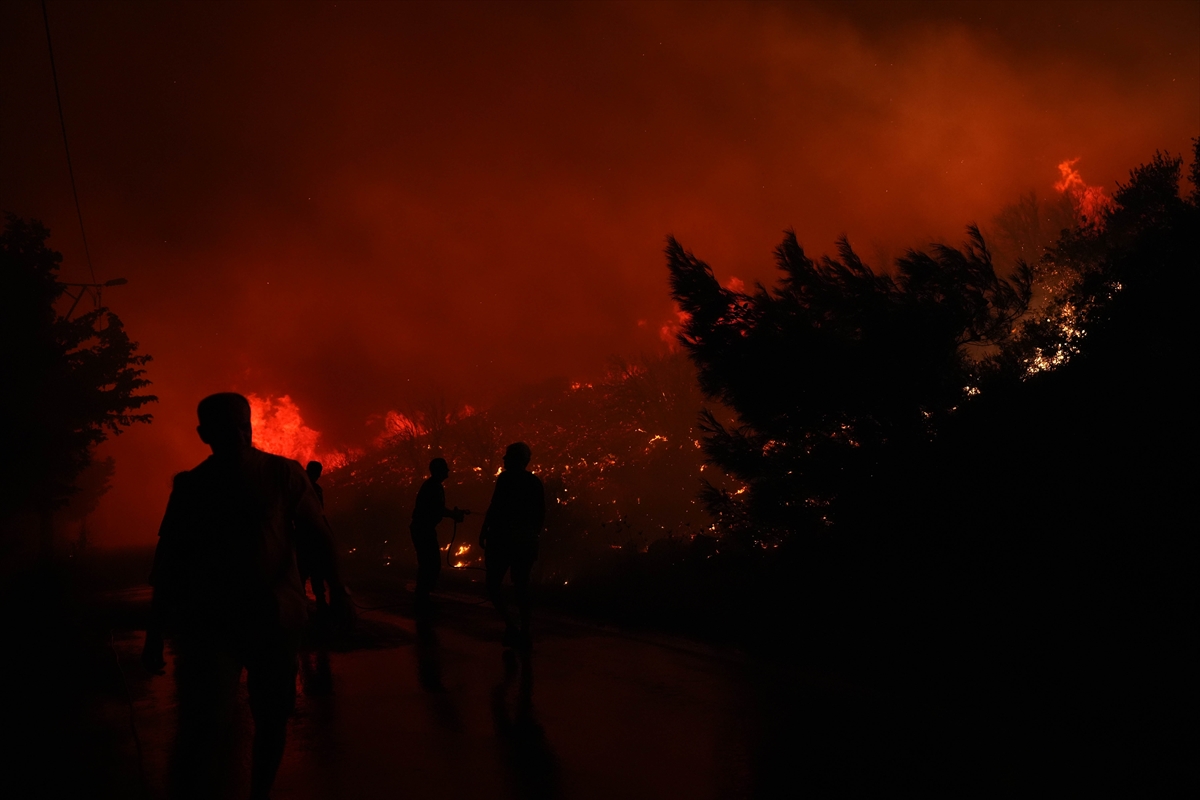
x,y
539,514
487,518
455,513
537,518
164,578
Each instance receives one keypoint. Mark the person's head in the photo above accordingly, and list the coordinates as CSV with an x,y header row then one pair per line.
x,y
517,455
439,469
224,422
314,471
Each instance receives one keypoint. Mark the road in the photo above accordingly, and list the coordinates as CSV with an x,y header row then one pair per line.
x,y
445,712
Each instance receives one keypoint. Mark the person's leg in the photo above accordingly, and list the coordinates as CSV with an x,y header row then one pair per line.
x,y
497,564
429,564
304,566
206,679
271,667
520,579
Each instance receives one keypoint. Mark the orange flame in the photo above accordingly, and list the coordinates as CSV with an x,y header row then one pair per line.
x,y
1090,202
669,332
278,428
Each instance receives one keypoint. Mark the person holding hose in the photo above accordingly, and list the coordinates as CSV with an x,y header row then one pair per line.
x,y
429,510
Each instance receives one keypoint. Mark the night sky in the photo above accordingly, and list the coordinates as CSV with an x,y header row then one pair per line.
x,y
363,206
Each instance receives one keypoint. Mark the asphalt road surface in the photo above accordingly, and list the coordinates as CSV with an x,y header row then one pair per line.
x,y
446,712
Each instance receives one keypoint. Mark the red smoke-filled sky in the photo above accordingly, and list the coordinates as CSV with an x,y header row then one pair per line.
x,y
363,206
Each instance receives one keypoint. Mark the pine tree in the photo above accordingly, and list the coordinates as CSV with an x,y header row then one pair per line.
x,y
834,364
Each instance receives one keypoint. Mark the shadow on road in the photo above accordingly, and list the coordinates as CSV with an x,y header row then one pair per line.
x,y
528,755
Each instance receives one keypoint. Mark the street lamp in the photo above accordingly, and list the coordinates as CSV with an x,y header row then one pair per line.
x,y
82,287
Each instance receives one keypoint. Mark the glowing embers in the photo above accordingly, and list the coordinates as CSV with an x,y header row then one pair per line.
x,y
1066,319
279,429
464,555
1091,202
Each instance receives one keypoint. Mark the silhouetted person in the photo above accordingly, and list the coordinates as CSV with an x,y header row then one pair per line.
x,y
510,537
309,563
313,471
429,510
225,578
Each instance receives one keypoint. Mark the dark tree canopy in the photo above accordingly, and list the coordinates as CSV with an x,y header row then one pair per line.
x,y
837,361
69,383
838,368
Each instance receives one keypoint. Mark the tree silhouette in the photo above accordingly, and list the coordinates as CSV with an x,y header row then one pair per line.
x,y
1027,229
835,363
70,383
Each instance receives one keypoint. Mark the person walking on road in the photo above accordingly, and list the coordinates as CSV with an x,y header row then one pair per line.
x,y
227,588
509,538
428,511
310,565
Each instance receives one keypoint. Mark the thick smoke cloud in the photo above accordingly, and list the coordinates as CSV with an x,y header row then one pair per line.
x,y
363,206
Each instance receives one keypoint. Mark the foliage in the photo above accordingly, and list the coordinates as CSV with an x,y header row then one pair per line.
x,y
69,383
835,363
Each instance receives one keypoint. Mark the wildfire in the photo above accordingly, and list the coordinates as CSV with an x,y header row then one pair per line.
x,y
396,424
279,428
1091,202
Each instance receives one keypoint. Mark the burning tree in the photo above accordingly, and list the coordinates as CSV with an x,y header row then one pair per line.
x,y
69,383
1125,270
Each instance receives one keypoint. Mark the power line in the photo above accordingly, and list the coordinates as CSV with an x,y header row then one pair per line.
x,y
63,124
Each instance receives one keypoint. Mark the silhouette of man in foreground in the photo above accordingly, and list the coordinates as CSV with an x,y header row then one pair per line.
x,y
225,579
429,510
510,538
309,563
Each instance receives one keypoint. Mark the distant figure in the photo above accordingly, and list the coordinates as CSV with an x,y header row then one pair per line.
x,y
309,564
225,581
429,510
510,538
313,470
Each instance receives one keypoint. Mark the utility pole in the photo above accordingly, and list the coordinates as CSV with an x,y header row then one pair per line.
x,y
82,289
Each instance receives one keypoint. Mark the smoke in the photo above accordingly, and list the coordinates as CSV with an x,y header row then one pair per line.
x,y
366,208
1091,203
